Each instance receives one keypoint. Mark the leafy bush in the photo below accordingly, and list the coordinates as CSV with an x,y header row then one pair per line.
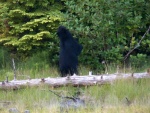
x,y
106,28
138,61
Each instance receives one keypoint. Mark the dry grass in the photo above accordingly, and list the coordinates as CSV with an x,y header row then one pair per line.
x,y
98,99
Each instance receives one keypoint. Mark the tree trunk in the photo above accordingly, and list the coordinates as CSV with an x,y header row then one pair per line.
x,y
75,80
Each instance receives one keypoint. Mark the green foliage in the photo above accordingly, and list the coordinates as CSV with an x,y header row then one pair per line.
x,y
31,24
4,58
37,65
106,28
138,61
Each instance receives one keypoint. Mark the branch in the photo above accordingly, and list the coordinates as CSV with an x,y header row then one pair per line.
x,y
138,44
72,98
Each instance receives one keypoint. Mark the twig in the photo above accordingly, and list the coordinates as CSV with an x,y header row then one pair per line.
x,y
128,101
72,98
138,44
14,68
7,79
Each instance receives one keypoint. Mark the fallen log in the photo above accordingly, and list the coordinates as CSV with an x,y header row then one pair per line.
x,y
71,80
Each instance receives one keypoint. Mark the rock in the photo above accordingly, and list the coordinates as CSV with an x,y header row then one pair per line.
x,y
70,103
26,111
13,110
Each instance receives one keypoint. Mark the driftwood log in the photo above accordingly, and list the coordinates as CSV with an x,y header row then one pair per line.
x,y
71,80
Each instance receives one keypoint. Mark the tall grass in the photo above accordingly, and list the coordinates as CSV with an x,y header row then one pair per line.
x,y
106,98
36,66
4,58
123,96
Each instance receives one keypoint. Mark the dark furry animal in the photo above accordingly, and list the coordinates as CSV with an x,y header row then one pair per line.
x,y
69,52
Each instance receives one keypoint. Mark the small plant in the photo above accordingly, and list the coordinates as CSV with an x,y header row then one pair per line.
x,y
4,58
138,61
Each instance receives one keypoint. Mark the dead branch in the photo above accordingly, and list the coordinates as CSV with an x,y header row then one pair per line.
x,y
138,44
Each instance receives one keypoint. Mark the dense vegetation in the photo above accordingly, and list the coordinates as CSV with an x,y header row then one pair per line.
x,y
108,30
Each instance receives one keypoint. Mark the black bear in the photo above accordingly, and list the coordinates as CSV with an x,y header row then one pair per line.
x,y
69,52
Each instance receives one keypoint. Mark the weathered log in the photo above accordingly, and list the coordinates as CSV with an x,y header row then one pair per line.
x,y
71,80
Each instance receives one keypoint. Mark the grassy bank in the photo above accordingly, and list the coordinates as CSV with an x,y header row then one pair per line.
x,y
123,96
